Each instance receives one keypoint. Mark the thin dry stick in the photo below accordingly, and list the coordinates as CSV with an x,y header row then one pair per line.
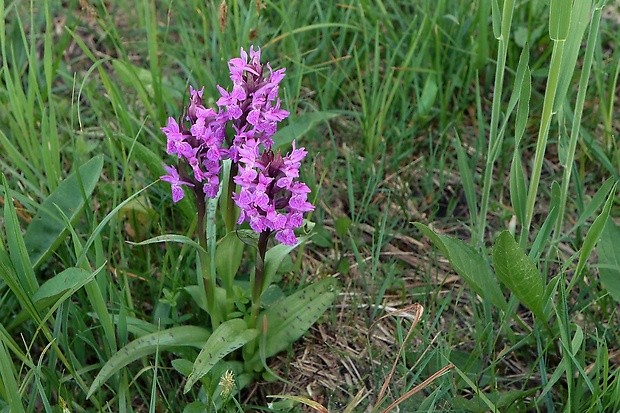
x,y
418,387
417,309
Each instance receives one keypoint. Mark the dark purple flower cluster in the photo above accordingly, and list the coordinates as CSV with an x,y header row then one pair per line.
x,y
270,197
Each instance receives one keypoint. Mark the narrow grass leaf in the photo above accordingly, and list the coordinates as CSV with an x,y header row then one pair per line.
x,y
542,238
578,22
179,239
523,108
496,18
139,79
290,318
595,203
518,186
299,126
47,229
24,278
518,273
183,336
154,163
468,181
469,264
228,337
559,19
9,381
609,259
594,234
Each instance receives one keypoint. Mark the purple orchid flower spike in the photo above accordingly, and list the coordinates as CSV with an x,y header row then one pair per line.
x,y
270,198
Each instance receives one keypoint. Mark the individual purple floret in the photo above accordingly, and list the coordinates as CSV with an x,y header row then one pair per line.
x,y
270,198
176,182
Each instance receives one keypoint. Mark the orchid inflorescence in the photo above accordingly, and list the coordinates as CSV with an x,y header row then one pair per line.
x,y
270,196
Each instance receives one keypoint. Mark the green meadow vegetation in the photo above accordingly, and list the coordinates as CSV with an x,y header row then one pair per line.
x,y
464,250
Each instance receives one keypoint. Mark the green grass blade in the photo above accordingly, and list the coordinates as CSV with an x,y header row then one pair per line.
x,y
559,19
593,235
8,385
609,259
16,246
468,181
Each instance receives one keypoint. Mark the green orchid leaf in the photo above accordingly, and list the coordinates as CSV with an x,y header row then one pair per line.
x,y
519,273
470,264
228,258
48,229
228,337
290,318
274,257
183,336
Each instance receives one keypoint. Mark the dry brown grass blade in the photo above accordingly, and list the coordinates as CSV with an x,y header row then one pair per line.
x,y
417,311
303,400
418,387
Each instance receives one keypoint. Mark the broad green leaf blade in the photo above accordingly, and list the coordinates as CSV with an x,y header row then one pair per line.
x,y
609,259
469,264
228,258
290,318
47,229
183,336
429,94
518,273
274,257
54,292
66,280
228,337
299,126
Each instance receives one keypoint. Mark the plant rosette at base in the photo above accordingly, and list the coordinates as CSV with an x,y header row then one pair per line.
x,y
225,158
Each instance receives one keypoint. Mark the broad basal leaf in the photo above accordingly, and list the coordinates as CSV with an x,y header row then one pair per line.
x,y
290,318
228,337
188,336
47,229
515,269
469,264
